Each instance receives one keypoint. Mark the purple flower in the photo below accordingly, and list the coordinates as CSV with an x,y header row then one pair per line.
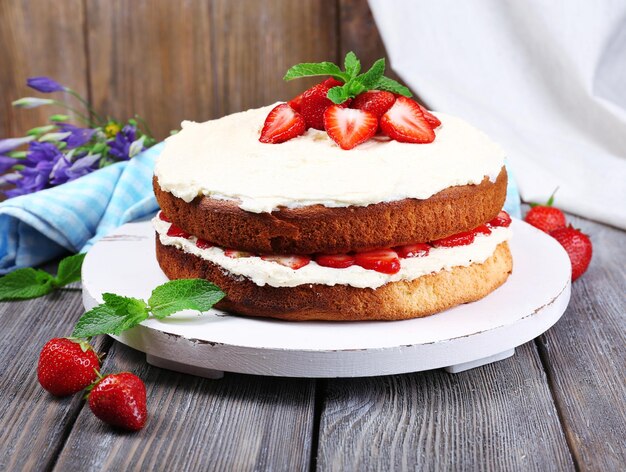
x,y
66,171
39,162
44,84
10,144
120,146
78,137
6,163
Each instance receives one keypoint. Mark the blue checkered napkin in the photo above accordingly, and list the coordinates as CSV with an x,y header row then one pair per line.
x,y
71,217
512,203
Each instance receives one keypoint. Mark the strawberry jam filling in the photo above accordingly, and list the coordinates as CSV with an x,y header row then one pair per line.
x,y
385,260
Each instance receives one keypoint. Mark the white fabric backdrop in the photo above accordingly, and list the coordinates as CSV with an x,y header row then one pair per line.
x,y
544,78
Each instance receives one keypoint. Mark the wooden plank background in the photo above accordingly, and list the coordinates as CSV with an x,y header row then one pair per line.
x,y
172,60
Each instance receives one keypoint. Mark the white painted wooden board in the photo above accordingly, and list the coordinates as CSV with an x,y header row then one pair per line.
x,y
532,300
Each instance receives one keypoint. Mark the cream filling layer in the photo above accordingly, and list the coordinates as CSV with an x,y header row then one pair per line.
x,y
276,275
224,159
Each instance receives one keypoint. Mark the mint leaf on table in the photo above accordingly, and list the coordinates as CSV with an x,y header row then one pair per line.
x,y
119,313
178,295
22,284
69,270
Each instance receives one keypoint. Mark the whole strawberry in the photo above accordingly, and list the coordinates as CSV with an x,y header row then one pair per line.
x,y
120,400
67,366
546,218
578,248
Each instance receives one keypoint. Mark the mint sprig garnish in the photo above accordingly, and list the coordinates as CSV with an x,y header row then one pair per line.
x,y
354,83
119,313
22,284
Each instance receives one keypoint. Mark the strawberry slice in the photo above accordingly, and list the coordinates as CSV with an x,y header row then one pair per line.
x,y
374,101
482,229
380,260
314,103
413,250
432,120
294,262
203,244
282,124
176,232
502,220
336,261
235,254
162,217
349,127
459,239
405,122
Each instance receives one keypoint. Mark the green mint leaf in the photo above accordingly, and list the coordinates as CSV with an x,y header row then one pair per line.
x,y
337,94
352,65
69,270
370,78
184,294
390,85
25,283
115,315
311,69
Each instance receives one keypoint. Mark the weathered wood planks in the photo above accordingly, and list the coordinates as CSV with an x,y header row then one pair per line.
x,y
585,356
496,417
237,423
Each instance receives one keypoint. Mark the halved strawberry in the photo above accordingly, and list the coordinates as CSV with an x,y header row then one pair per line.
x,y
380,260
432,120
314,103
349,127
459,239
374,101
235,254
405,122
282,124
294,262
164,218
413,250
482,229
336,261
503,219
203,244
176,232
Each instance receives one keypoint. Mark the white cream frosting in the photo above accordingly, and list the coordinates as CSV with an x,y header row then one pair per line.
x,y
224,159
263,272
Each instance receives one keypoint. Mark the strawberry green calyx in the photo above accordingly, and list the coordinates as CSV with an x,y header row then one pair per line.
x,y
354,83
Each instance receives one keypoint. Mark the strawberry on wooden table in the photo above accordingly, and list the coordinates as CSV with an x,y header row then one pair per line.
x,y
349,127
546,218
282,124
405,122
67,366
120,400
380,260
578,248
292,261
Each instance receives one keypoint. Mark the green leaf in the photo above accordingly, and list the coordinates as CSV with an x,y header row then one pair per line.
x,y
337,94
352,65
69,270
106,319
184,294
312,69
390,85
25,283
370,78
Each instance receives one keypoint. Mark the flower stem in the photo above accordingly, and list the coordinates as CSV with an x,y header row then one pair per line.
x,y
79,115
92,112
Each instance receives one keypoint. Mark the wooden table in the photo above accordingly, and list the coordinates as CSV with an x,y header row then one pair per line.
x,y
558,404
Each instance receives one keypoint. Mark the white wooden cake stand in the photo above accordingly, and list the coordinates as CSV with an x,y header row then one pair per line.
x,y
531,301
